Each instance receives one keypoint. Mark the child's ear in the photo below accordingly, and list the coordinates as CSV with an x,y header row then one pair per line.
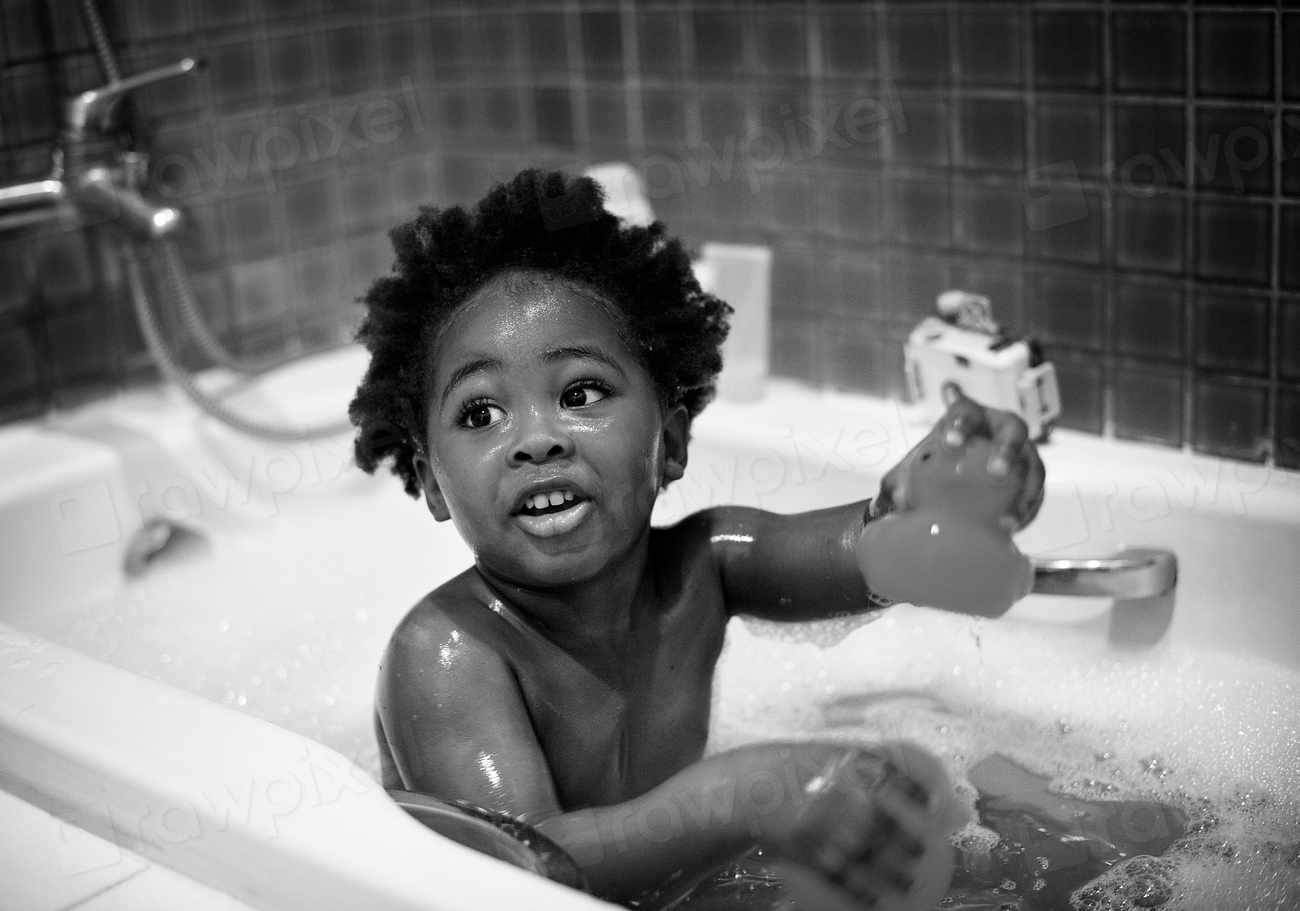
x,y
677,433
433,497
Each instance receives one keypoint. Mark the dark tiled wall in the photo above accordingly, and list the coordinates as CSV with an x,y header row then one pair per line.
x,y
1122,179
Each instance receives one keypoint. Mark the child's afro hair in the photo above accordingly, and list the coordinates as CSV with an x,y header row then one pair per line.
x,y
543,223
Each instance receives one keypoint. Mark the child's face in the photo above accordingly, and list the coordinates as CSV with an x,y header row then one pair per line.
x,y
547,442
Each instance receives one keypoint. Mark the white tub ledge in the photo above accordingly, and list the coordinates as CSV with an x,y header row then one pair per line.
x,y
271,818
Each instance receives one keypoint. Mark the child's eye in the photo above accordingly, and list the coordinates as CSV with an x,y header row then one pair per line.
x,y
587,392
479,414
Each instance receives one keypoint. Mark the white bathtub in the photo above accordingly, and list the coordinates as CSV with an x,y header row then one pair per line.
x,y
276,605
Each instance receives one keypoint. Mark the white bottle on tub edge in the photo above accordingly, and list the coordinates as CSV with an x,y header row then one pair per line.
x,y
741,274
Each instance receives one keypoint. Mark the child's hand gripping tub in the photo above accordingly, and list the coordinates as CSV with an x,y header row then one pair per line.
x,y
892,798
947,548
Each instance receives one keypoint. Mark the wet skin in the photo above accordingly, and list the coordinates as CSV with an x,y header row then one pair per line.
x,y
566,677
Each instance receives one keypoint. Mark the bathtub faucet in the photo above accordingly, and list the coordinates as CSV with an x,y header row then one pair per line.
x,y
92,180
1128,575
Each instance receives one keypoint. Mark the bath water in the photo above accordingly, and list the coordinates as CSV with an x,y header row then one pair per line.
x,y
1164,778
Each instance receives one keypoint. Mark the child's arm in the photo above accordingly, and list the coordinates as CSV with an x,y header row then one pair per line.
x,y
804,566
458,728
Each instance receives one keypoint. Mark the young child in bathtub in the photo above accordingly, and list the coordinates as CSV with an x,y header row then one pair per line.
x,y
535,369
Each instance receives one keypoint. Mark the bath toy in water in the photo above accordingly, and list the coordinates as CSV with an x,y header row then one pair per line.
x,y
932,871
946,548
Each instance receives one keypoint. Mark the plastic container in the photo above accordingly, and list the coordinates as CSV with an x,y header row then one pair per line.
x,y
741,274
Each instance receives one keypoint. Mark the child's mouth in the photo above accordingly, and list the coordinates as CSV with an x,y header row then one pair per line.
x,y
553,512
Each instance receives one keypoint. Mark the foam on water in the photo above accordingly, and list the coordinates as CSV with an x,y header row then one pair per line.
x,y
286,621
1214,736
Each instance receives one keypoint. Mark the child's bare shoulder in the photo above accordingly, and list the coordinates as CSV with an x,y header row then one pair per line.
x,y
445,634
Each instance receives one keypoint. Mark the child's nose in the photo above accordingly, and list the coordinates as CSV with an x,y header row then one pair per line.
x,y
541,438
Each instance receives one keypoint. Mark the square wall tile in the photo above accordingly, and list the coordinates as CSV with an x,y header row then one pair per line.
x,y
1149,52
1148,319
1068,308
1150,146
448,44
1230,419
848,41
259,295
251,225
1288,342
719,42
26,31
294,67
853,203
1150,232
366,205
1070,131
18,364
722,118
315,281
920,212
1234,54
602,41
1147,405
66,275
1286,445
402,56
659,42
918,46
990,218
30,99
353,61
548,42
798,348
1067,50
1083,392
1233,242
911,286
790,198
1291,151
992,134
17,265
859,293
233,75
1068,227
859,360
502,112
1291,56
219,14
553,114
1289,247
1232,333
779,41
791,280
663,117
499,42
862,117
607,115
77,353
992,47
782,107
926,140
1239,142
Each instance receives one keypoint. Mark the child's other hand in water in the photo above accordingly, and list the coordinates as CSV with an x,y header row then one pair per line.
x,y
1013,457
873,833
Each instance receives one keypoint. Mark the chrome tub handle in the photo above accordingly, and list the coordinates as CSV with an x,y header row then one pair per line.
x,y
1128,575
